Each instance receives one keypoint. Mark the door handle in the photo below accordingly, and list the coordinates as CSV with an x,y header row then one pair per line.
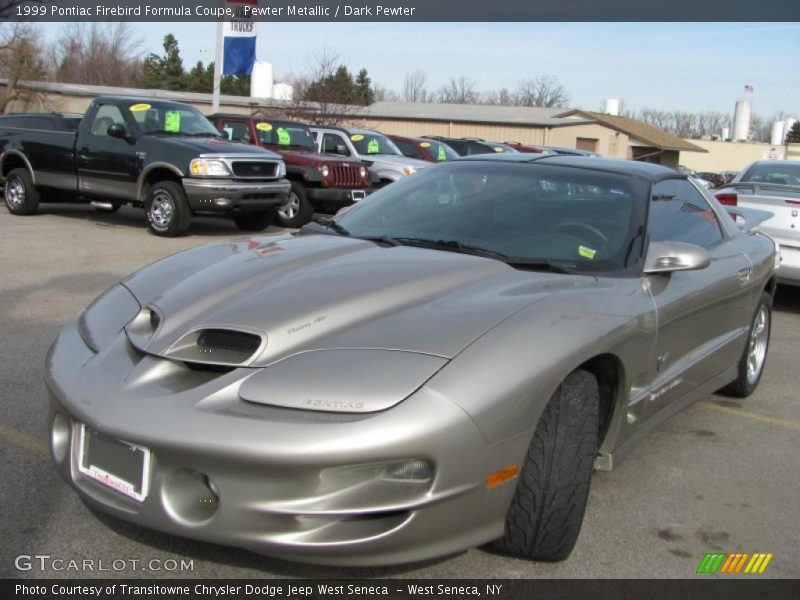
x,y
744,274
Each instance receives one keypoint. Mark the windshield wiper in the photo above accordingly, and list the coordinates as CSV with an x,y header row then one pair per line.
x,y
327,227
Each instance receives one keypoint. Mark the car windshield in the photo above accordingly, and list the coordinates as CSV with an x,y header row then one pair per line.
x,y
373,143
285,133
530,214
775,172
171,119
441,152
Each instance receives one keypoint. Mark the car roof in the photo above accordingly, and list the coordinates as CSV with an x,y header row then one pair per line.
x,y
625,167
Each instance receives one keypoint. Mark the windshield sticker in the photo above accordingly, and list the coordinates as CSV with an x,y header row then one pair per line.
x,y
498,149
139,107
284,139
263,126
172,121
425,145
373,147
357,137
586,252
441,155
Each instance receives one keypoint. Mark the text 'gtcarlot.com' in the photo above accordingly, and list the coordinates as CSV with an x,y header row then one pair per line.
x,y
46,562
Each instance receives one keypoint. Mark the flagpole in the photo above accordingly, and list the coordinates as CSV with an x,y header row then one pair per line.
x,y
218,58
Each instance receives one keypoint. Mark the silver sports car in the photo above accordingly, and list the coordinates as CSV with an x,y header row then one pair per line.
x,y
441,366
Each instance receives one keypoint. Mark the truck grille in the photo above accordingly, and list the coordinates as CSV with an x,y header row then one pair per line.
x,y
346,176
254,169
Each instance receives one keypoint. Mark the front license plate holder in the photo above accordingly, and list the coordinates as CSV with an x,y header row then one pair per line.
x,y
357,195
118,465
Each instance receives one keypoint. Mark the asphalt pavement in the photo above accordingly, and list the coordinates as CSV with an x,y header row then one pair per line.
x,y
723,476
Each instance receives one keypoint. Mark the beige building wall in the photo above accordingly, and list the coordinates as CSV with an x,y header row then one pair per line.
x,y
728,156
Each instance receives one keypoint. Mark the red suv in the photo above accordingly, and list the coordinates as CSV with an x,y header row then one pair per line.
x,y
319,183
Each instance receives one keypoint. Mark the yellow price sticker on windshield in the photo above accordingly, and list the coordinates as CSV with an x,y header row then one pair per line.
x,y
498,149
425,145
140,107
586,252
264,127
357,137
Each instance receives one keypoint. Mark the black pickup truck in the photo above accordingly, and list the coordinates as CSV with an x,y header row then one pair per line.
x,y
163,156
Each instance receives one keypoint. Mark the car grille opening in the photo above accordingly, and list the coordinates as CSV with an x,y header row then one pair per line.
x,y
231,341
209,368
262,169
346,176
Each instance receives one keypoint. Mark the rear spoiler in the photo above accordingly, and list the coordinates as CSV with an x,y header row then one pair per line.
x,y
748,218
756,188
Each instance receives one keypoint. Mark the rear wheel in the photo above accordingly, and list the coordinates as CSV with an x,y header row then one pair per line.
x,y
298,210
167,209
21,196
754,356
254,221
546,514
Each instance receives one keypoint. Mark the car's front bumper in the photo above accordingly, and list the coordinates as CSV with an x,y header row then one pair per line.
x,y
789,269
336,196
296,484
224,195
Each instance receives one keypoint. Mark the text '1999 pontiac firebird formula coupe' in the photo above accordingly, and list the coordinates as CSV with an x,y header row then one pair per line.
x,y
441,366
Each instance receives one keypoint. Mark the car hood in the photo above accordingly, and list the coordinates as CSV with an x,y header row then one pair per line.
x,y
211,145
393,159
313,157
315,292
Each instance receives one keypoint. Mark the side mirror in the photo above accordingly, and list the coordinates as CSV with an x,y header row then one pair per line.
x,y
666,257
342,150
117,130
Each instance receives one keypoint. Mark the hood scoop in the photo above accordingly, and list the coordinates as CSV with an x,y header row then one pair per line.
x,y
217,346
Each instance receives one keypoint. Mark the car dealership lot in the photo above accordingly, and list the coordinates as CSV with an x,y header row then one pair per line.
x,y
723,476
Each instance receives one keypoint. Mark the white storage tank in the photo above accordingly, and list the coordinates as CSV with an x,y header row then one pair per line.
x,y
741,121
611,107
261,84
726,133
777,135
283,91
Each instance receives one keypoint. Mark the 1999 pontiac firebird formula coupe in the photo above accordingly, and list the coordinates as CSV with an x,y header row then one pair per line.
x,y
439,367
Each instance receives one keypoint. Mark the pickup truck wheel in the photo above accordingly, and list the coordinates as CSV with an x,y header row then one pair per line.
x,y
754,356
254,221
167,209
22,197
298,210
546,513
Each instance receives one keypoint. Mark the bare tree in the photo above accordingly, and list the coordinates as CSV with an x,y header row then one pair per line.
x,y
414,87
384,94
501,97
459,90
542,91
98,54
21,58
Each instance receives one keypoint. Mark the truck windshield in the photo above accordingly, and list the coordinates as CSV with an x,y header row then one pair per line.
x,y
285,133
171,119
374,143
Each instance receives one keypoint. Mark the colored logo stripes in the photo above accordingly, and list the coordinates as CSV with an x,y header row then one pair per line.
x,y
734,563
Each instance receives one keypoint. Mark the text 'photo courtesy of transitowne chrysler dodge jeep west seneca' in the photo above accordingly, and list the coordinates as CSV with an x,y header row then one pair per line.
x,y
165,157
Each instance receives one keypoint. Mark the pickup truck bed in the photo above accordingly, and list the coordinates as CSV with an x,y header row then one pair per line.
x,y
162,156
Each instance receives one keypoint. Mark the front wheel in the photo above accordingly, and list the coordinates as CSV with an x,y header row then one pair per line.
x,y
167,209
546,514
298,210
21,196
254,221
754,357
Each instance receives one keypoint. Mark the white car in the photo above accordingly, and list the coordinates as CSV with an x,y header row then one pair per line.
x,y
772,185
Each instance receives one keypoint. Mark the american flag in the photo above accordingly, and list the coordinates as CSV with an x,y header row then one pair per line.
x,y
748,88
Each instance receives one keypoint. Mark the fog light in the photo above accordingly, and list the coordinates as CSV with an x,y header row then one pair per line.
x,y
190,497
411,470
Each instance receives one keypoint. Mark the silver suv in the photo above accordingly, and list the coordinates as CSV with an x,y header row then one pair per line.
x,y
384,160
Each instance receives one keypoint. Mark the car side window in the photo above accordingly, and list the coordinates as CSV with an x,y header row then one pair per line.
x,y
237,131
330,141
408,149
107,115
679,213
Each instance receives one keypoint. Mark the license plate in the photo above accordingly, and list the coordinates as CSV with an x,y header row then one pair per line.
x,y
119,465
357,195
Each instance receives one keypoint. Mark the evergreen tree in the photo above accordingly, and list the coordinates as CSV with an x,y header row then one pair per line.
x,y
793,137
364,91
165,72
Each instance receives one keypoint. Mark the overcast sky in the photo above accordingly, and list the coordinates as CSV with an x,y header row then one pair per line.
x,y
688,66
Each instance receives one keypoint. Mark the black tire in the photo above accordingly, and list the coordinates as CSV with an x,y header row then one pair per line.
x,y
167,209
254,221
298,210
21,196
546,514
746,380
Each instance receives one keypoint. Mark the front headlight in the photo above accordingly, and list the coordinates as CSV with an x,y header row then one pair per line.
x,y
324,170
409,170
209,167
104,318
281,169
363,172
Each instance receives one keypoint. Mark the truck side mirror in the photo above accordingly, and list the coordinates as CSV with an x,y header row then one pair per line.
x,y
117,130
